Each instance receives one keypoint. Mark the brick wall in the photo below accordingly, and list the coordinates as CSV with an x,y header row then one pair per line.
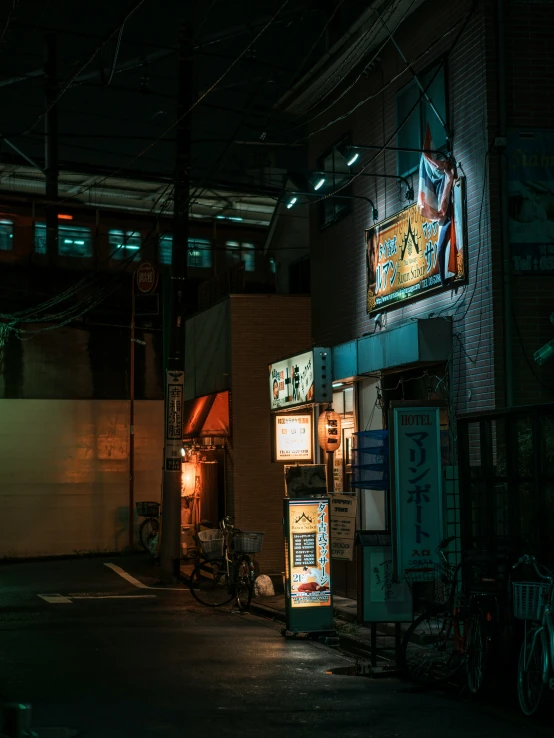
x,y
264,328
338,252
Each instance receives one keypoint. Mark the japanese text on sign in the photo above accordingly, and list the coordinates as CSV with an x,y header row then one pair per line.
x,y
293,437
174,424
309,552
418,486
303,548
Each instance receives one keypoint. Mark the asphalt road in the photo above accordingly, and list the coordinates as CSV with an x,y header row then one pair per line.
x,y
115,660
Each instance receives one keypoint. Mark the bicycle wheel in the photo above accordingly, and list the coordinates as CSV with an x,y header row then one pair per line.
x,y
148,529
244,582
209,583
476,652
429,653
530,671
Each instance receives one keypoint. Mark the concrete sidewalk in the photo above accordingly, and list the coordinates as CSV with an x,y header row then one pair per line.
x,y
352,636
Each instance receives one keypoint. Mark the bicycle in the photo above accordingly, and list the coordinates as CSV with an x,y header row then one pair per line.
x,y
149,527
534,603
225,571
486,581
441,626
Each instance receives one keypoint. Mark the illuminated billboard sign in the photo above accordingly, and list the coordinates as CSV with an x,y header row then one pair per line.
x,y
410,255
301,379
309,553
418,487
293,437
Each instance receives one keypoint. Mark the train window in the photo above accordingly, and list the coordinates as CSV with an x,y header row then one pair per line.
x,y
6,235
72,240
199,253
123,244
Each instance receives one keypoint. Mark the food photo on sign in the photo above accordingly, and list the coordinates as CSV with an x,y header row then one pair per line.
x,y
422,248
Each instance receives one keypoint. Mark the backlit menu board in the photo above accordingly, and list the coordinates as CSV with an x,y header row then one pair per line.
x,y
293,437
309,565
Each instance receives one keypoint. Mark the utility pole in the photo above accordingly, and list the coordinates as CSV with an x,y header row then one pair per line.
x,y
170,550
132,421
51,146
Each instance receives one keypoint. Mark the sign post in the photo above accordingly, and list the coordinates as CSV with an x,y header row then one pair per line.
x,y
417,499
343,525
308,595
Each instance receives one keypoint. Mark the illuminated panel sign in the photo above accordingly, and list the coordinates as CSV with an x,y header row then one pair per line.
x,y
301,379
293,437
418,487
309,565
410,256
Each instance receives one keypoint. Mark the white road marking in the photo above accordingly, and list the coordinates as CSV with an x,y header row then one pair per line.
x,y
55,599
128,577
115,597
132,580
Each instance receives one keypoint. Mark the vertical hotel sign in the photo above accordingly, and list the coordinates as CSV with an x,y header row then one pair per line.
x,y
418,488
309,553
174,421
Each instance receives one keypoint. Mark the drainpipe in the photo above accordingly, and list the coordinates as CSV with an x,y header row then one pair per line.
x,y
504,230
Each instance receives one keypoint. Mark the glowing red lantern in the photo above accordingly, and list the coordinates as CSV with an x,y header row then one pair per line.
x,y
329,431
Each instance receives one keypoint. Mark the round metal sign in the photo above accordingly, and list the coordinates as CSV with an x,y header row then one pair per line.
x,y
147,277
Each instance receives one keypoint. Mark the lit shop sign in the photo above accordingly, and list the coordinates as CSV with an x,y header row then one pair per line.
x,y
301,379
418,487
409,256
293,437
309,553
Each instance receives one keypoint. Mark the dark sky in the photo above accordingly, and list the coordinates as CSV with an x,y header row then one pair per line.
x,y
107,126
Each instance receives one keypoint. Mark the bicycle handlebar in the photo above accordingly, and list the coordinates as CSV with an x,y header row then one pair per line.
x,y
445,542
527,559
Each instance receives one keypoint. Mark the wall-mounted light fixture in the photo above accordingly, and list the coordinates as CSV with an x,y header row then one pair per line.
x,y
293,198
409,187
545,353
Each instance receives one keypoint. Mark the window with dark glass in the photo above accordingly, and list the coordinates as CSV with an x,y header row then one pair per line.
x,y
6,235
199,252
243,251
335,170
299,276
412,134
123,244
72,241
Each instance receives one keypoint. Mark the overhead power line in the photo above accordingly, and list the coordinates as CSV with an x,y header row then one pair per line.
x,y
85,64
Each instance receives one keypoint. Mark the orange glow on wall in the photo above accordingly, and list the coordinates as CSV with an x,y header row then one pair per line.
x,y
64,216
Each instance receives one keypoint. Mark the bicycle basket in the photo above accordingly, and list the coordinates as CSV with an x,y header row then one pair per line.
x,y
148,509
248,541
529,600
431,584
212,543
